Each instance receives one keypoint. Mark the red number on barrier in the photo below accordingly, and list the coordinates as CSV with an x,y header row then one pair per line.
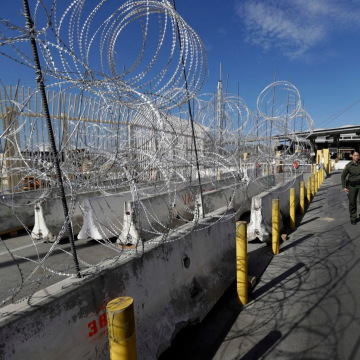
x,y
92,326
102,320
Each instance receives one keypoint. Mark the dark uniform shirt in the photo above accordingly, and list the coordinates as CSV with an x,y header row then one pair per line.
x,y
353,170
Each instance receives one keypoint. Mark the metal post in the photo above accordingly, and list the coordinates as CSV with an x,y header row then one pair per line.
x,y
121,329
302,197
275,226
312,185
292,208
308,190
40,81
241,262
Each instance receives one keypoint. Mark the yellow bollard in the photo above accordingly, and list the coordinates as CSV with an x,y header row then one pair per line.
x,y
275,226
241,262
219,176
292,208
302,197
267,169
321,177
308,192
316,181
312,186
121,328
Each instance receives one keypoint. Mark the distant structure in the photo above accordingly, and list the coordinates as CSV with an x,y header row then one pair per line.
x,y
340,141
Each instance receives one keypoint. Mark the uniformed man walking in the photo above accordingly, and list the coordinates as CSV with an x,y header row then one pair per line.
x,y
352,185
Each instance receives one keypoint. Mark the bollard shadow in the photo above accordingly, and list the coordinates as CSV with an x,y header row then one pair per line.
x,y
265,288
317,200
315,208
308,221
258,261
263,346
295,243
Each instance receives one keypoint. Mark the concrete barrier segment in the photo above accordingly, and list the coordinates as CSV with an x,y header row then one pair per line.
x,y
236,196
260,225
105,216
157,215
172,283
40,230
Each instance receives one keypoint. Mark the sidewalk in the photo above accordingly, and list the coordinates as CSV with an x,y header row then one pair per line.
x,y
306,304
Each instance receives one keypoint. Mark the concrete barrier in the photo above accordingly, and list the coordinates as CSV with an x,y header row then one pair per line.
x,y
340,165
156,215
51,210
237,197
260,225
104,215
172,283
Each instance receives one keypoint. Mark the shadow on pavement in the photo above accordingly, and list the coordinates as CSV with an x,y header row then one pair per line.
x,y
263,346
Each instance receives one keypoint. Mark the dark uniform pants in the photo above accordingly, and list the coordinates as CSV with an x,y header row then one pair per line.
x,y
353,194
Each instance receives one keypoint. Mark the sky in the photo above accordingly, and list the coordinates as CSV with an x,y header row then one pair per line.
x,y
311,43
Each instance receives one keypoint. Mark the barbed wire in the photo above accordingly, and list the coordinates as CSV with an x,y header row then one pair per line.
x,y
123,136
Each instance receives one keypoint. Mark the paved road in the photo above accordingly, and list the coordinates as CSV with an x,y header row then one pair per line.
x,y
12,270
307,303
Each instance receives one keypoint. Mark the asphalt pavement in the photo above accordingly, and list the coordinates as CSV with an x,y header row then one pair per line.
x,y
306,304
22,260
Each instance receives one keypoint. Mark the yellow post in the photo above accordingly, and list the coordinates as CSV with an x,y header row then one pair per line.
x,y
308,192
292,208
267,169
241,262
275,226
321,177
121,328
219,177
312,185
316,181
302,197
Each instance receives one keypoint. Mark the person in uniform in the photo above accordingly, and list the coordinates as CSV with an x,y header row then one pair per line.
x,y
352,185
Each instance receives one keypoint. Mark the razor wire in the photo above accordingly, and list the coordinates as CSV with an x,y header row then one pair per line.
x,y
123,132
